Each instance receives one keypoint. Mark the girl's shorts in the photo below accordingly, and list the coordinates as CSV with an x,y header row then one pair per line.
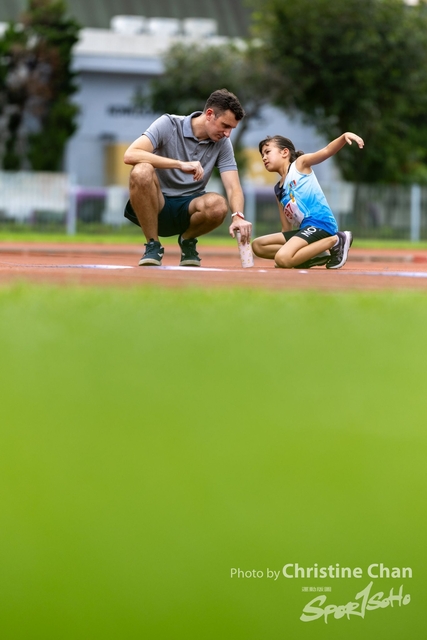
x,y
309,234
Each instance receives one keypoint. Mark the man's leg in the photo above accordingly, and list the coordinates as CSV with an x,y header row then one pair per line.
x,y
147,201
146,198
206,213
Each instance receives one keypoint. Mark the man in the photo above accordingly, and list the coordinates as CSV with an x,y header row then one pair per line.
x,y
172,163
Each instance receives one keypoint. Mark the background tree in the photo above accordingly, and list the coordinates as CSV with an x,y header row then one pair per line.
x,y
13,95
193,71
37,83
357,65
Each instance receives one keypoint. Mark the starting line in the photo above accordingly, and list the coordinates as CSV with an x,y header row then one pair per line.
x,y
115,266
401,274
112,267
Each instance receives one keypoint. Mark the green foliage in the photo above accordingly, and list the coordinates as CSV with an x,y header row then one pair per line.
x,y
36,86
193,71
12,94
356,65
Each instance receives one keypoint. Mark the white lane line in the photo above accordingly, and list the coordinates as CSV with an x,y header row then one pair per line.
x,y
112,267
400,274
65,266
96,266
178,268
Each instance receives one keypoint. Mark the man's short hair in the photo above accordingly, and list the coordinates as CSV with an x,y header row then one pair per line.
x,y
223,100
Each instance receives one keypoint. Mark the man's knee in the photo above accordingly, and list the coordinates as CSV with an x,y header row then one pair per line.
x,y
215,207
141,175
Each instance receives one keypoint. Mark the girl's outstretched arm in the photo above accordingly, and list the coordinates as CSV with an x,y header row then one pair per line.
x,y
305,161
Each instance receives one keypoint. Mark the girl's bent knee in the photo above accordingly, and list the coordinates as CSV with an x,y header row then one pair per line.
x,y
256,247
283,262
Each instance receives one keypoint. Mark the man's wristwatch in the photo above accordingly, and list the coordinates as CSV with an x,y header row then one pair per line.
x,y
239,214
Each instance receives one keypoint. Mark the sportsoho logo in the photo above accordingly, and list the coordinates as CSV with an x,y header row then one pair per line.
x,y
365,602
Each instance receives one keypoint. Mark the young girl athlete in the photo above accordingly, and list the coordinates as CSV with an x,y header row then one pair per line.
x,y
302,206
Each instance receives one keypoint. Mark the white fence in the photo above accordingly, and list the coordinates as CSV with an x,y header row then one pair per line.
x,y
371,211
24,192
27,197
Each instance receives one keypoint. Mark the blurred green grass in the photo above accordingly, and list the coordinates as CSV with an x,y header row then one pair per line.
x,y
152,440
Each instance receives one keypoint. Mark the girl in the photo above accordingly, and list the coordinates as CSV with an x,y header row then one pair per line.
x,y
302,205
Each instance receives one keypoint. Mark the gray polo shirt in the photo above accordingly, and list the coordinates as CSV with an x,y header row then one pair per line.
x,y
173,137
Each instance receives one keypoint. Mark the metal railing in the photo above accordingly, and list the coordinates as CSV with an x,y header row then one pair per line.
x,y
397,212
51,200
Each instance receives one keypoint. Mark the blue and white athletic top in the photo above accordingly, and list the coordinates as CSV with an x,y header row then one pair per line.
x,y
304,202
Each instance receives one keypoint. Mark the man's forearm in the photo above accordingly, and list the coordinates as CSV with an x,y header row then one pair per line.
x,y
136,156
236,200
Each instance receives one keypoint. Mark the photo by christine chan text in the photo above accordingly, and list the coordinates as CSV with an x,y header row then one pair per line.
x,y
374,570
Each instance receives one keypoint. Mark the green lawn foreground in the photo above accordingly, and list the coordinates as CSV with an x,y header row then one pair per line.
x,y
153,441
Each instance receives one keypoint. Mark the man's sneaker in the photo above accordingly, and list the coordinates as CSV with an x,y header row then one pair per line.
x,y
189,255
318,261
153,254
339,253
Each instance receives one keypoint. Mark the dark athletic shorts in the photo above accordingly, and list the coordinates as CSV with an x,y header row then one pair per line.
x,y
309,234
174,218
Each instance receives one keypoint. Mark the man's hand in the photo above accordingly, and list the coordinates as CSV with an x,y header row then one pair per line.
x,y
243,226
193,167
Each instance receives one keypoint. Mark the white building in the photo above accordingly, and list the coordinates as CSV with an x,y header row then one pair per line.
x,y
113,66
118,55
